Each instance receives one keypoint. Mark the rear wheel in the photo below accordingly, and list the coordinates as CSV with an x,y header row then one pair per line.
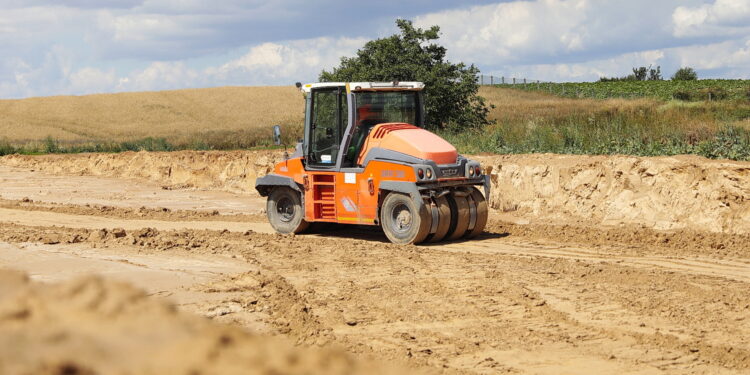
x,y
285,211
459,217
478,210
402,222
444,219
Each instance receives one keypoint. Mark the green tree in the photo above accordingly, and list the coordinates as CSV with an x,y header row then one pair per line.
x,y
685,74
640,73
654,74
451,90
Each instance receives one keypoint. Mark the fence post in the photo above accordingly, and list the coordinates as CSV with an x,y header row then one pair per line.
x,y
503,79
481,79
524,81
709,96
492,80
514,81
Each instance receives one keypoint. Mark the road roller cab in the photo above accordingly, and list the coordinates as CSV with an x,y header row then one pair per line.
x,y
366,159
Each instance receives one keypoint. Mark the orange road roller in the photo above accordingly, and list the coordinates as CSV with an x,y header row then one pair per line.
x,y
365,159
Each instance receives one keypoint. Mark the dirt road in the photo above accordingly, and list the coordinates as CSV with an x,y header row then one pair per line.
x,y
527,299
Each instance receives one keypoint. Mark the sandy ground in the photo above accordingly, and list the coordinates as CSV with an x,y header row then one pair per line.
x,y
540,298
663,193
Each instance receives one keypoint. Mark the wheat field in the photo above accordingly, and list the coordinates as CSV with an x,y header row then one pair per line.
x,y
173,115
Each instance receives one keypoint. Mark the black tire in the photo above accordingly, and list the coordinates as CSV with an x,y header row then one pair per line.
x,y
285,211
402,222
460,217
444,220
478,201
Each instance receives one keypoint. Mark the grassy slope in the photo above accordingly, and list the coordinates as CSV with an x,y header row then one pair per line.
x,y
239,117
530,122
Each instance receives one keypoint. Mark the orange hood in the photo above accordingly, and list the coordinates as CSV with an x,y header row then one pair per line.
x,y
410,140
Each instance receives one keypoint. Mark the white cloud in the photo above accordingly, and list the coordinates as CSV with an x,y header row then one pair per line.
x,y
731,58
530,31
733,55
160,76
585,39
91,80
86,46
723,17
585,71
264,64
288,62
28,25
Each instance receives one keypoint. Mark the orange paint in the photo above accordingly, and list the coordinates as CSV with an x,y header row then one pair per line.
x,y
410,140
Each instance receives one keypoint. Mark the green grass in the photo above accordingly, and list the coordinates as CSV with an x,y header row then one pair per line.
x,y
615,138
644,131
715,89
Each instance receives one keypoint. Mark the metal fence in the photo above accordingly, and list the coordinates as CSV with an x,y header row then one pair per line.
x,y
494,80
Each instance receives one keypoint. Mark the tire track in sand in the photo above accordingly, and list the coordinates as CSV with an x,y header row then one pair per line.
x,y
735,269
42,218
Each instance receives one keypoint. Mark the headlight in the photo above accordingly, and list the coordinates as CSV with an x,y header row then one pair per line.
x,y
478,171
429,173
420,173
471,171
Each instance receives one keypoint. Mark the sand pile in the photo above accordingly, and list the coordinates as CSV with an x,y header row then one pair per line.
x,y
661,193
93,326
234,171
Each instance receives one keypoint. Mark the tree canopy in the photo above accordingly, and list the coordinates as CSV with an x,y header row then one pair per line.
x,y
685,74
451,89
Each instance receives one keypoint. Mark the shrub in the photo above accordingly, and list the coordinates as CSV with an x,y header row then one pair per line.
x,y
50,145
685,74
713,93
6,148
682,95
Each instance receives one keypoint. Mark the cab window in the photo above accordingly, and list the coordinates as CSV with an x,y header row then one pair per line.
x,y
329,120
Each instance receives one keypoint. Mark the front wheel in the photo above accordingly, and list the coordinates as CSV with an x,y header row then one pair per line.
x,y
402,222
285,211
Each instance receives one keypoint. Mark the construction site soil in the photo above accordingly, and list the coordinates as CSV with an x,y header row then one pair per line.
x,y
164,263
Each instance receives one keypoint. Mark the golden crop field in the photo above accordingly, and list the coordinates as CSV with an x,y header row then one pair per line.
x,y
174,115
180,114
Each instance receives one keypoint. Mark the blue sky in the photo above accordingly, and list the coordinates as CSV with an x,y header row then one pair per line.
x,y
88,46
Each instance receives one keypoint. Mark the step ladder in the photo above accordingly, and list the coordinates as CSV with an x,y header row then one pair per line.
x,y
324,196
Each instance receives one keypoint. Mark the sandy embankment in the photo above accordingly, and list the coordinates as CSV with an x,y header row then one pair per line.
x,y
684,192
94,326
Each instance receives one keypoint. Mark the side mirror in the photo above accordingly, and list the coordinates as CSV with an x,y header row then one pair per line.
x,y
277,135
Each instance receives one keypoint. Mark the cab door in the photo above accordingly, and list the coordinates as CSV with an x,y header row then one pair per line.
x,y
327,124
